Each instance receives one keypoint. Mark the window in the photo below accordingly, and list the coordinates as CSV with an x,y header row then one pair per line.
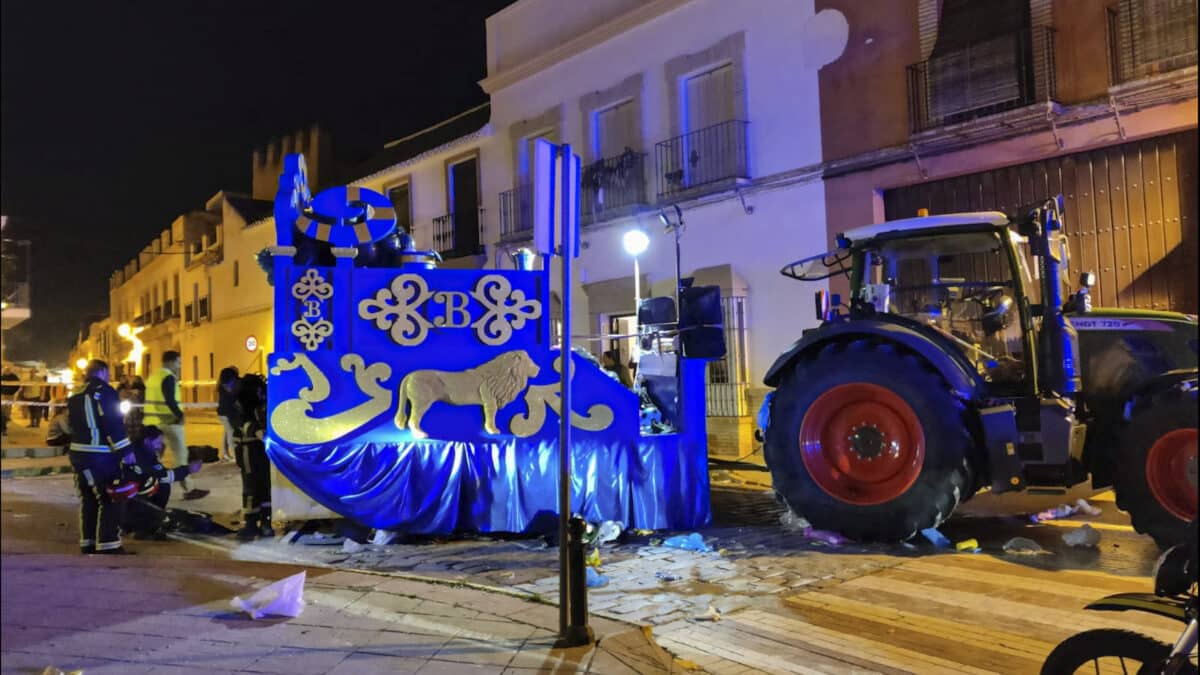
x,y
235,273
527,145
401,200
615,129
195,378
212,362
462,191
729,376
708,98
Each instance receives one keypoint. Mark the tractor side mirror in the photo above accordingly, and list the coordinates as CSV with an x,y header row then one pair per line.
x,y
1081,301
1087,280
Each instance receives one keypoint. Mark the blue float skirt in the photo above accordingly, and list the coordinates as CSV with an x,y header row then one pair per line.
x,y
428,487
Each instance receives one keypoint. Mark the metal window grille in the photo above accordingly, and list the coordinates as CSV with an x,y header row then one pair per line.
x,y
1002,73
1148,37
728,377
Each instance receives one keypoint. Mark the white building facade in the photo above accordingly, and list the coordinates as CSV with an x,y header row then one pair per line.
x,y
709,105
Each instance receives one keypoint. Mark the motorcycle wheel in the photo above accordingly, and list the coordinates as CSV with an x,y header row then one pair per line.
x,y
1120,648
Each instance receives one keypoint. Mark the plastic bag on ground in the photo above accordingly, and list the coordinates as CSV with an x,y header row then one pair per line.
x,y
688,542
710,615
793,523
383,537
1086,537
595,579
1056,513
282,598
351,546
592,559
825,536
609,531
1086,508
1022,545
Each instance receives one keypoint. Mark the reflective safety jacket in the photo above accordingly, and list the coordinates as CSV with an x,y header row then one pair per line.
x,y
95,418
163,394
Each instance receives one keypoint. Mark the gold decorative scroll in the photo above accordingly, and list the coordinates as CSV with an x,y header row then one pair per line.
x,y
291,420
541,396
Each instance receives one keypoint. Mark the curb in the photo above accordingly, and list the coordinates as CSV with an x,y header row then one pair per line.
x,y
35,452
34,472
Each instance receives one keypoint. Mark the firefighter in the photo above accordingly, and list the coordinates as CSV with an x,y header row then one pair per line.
x,y
252,458
146,515
98,444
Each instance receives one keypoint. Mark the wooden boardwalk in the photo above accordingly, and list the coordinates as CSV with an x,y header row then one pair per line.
x,y
941,614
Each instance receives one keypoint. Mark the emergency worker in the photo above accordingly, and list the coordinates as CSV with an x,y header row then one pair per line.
x,y
146,515
98,444
252,458
163,395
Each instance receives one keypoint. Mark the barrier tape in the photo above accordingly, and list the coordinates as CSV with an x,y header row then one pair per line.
x,y
42,404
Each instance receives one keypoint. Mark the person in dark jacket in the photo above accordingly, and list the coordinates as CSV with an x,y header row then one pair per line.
x,y
146,514
252,458
227,410
8,392
98,444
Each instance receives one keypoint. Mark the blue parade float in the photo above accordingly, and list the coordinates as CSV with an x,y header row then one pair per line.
x,y
424,400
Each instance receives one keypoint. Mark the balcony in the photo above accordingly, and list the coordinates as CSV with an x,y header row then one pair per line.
x,y
1003,73
158,314
456,237
516,213
709,158
1147,38
613,187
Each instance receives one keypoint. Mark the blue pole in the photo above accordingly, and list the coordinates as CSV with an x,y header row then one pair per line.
x,y
564,434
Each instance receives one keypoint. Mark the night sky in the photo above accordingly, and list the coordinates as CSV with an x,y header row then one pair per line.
x,y
119,116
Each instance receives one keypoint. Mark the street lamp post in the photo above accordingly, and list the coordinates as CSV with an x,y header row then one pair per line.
x,y
636,242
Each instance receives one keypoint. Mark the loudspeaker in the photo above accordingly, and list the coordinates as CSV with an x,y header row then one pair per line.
x,y
703,342
656,311
700,306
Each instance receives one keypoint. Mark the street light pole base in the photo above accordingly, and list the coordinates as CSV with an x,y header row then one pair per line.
x,y
576,636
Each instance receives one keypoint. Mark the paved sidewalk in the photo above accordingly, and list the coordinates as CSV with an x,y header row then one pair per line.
x,y
172,616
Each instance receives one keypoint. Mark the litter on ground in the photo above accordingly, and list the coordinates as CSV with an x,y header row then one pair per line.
x,y
793,523
825,537
688,542
282,598
711,614
935,537
967,546
1022,546
1086,508
595,579
1084,537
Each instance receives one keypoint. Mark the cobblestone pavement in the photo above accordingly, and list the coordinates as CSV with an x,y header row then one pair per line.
x,y
171,616
760,573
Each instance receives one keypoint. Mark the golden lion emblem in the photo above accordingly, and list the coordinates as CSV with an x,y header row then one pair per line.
x,y
492,385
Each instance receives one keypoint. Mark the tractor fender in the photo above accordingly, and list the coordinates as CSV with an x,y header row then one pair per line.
x,y
1184,379
940,353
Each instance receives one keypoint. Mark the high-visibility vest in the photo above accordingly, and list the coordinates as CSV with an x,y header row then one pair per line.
x,y
156,411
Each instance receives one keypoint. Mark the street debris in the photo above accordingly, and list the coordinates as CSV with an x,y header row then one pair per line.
x,y
825,536
593,558
351,546
642,533
793,523
595,579
935,537
1056,513
1022,546
710,615
1086,508
282,598
1084,537
688,542
608,531
667,577
316,539
51,670
383,537
967,546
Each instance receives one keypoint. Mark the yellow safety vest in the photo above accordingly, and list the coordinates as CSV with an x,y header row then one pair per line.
x,y
156,411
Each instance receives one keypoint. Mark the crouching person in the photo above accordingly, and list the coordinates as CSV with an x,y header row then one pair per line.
x,y
252,458
146,515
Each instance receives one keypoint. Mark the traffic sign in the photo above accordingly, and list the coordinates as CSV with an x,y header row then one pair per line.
x,y
251,343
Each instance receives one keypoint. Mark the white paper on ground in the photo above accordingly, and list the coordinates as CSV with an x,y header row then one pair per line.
x,y
282,598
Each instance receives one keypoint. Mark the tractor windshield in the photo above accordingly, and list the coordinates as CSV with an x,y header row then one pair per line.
x,y
961,284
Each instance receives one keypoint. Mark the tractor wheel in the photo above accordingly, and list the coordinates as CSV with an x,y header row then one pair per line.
x,y
868,441
1156,467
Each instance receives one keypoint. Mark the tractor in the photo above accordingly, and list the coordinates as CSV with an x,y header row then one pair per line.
x,y
962,362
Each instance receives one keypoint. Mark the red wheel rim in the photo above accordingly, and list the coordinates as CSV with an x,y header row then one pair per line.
x,y
1171,472
862,443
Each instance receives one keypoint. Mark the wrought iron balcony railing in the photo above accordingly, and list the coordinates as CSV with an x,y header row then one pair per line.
x,y
700,158
452,237
1002,73
612,184
516,213
1149,37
